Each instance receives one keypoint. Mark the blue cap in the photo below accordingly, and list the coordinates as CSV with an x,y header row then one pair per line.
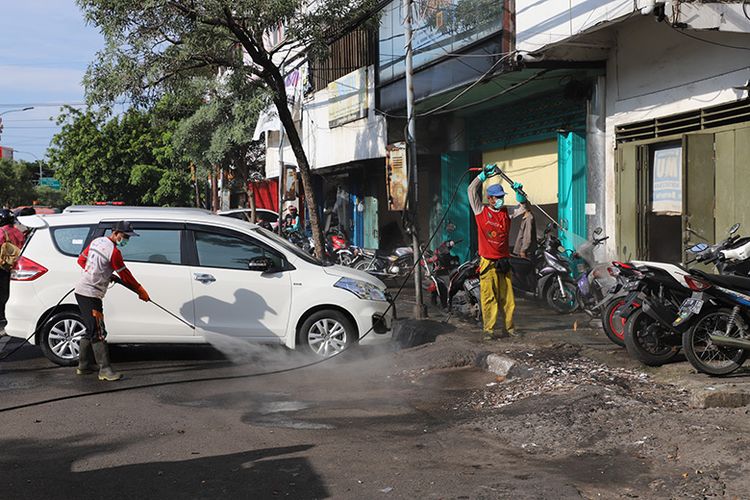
x,y
495,190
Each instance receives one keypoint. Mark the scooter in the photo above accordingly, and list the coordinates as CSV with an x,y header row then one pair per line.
x,y
652,334
596,281
718,314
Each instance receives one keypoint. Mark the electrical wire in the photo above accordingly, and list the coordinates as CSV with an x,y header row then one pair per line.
x,y
710,42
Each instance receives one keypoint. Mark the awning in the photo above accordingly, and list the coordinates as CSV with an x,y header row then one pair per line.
x,y
268,120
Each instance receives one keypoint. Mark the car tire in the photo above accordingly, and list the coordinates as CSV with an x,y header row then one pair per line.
x,y
326,333
60,336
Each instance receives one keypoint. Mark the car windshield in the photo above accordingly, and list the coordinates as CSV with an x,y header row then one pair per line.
x,y
290,247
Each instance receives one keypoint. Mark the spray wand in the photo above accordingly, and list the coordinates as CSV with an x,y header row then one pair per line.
x,y
117,280
499,171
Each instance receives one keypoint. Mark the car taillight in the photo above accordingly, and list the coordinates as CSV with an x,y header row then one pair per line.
x,y
696,284
26,270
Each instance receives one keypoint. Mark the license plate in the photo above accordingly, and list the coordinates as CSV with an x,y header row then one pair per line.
x,y
691,306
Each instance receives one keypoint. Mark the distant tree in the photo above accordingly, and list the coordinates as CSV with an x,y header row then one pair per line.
x,y
126,158
220,131
16,183
50,197
155,45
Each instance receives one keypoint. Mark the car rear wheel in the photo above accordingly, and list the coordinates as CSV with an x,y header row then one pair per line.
x,y
327,333
60,337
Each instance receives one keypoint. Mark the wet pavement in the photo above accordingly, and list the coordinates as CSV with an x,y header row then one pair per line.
x,y
421,422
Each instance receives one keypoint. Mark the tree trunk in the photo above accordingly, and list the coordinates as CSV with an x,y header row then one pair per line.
x,y
251,201
304,168
214,191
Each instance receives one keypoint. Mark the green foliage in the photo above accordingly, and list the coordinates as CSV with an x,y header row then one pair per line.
x,y
49,197
126,158
16,183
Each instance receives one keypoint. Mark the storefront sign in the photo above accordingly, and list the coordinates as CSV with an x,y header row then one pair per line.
x,y
396,176
347,98
667,182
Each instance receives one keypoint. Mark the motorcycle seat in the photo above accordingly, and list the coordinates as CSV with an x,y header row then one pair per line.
x,y
729,281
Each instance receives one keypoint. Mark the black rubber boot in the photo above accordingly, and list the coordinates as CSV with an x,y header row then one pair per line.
x,y
101,353
86,364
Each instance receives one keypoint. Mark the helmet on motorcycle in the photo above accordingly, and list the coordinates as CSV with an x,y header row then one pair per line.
x,y
6,217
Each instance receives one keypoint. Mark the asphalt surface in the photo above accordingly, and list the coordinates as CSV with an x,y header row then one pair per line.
x,y
378,422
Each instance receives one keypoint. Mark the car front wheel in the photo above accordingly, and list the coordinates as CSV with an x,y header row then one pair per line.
x,y
60,337
327,333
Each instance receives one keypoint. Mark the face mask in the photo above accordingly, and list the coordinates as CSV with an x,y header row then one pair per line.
x,y
499,203
122,242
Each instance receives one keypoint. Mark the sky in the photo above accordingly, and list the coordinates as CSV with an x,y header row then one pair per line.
x,y
45,48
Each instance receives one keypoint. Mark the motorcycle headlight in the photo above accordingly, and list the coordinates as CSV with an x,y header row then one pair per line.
x,y
557,266
362,289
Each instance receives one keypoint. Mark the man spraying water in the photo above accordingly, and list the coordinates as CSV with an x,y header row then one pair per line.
x,y
99,260
493,224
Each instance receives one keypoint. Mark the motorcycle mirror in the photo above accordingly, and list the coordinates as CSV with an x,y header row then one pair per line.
x,y
699,248
734,228
561,249
598,231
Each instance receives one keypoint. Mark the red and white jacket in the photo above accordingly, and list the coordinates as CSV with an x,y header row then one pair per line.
x,y
99,260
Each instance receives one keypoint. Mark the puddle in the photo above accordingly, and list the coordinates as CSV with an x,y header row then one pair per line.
x,y
456,379
275,414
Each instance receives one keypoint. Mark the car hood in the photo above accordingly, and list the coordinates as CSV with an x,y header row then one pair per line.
x,y
348,272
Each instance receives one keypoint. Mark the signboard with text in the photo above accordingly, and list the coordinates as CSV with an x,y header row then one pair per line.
x,y
347,98
396,175
666,191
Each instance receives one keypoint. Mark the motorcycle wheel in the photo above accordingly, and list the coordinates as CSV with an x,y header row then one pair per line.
x,y
707,357
564,304
613,325
643,340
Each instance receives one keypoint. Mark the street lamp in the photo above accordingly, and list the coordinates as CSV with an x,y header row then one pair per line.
x,y
18,110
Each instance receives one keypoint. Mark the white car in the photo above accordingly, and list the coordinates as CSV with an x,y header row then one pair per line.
x,y
223,276
261,215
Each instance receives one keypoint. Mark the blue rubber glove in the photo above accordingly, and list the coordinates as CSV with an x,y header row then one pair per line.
x,y
488,171
517,186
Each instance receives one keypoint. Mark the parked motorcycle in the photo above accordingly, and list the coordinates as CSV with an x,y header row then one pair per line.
x,y
394,265
718,314
651,334
597,280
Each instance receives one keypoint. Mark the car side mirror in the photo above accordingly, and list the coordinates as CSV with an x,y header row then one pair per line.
x,y
260,264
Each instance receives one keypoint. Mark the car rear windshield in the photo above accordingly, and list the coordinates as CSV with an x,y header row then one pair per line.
x,y
69,240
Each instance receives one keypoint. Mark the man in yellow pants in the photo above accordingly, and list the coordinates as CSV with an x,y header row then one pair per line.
x,y
493,228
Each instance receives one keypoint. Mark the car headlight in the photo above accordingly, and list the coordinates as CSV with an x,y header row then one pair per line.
x,y
362,289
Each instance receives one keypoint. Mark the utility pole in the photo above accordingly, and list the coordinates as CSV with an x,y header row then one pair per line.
x,y
411,158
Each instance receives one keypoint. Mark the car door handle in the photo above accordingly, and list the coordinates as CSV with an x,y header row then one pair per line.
x,y
204,278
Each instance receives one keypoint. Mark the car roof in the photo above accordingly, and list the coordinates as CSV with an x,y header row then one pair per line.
x,y
135,214
240,210
96,208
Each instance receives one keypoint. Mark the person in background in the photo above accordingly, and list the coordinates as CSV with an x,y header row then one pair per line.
x,y
525,246
291,221
9,233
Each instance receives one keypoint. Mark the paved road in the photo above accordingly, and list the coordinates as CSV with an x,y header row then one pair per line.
x,y
192,422
345,429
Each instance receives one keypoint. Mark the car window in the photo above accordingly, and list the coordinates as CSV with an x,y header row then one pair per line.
x,y
289,247
70,240
266,216
158,246
238,215
230,252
